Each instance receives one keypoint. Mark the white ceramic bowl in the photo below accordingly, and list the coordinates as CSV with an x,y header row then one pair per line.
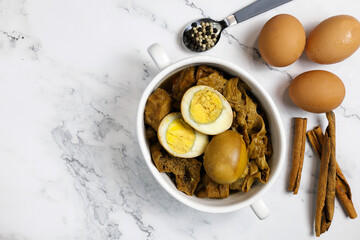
x,y
235,201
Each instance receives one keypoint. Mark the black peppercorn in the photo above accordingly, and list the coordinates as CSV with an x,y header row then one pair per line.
x,y
215,30
194,24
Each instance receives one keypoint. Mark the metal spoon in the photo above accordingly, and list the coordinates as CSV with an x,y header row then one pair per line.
x,y
203,34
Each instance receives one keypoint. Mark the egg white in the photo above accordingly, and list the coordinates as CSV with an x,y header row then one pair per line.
x,y
219,125
199,145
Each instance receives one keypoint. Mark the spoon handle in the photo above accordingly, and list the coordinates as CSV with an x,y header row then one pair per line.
x,y
256,8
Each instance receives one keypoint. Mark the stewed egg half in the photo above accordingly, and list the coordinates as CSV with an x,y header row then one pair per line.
x,y
206,110
179,138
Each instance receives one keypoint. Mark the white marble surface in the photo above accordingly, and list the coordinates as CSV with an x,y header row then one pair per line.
x,y
71,75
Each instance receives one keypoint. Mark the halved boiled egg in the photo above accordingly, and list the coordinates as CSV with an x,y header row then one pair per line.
x,y
179,138
206,110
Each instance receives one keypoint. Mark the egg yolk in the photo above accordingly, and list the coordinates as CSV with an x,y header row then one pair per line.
x,y
205,106
180,136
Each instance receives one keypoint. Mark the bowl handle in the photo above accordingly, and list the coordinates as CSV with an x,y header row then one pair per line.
x,y
159,56
260,209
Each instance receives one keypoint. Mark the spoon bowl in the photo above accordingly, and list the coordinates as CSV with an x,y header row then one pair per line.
x,y
202,34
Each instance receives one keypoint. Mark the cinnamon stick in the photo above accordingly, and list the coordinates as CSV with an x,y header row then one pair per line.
x,y
331,180
322,222
342,189
297,154
315,138
343,192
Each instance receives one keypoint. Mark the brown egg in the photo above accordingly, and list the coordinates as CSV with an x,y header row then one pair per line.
x,y
282,40
317,91
333,40
225,157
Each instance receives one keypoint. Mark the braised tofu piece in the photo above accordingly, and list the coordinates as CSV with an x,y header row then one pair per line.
x,y
186,171
151,135
157,107
210,189
184,81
